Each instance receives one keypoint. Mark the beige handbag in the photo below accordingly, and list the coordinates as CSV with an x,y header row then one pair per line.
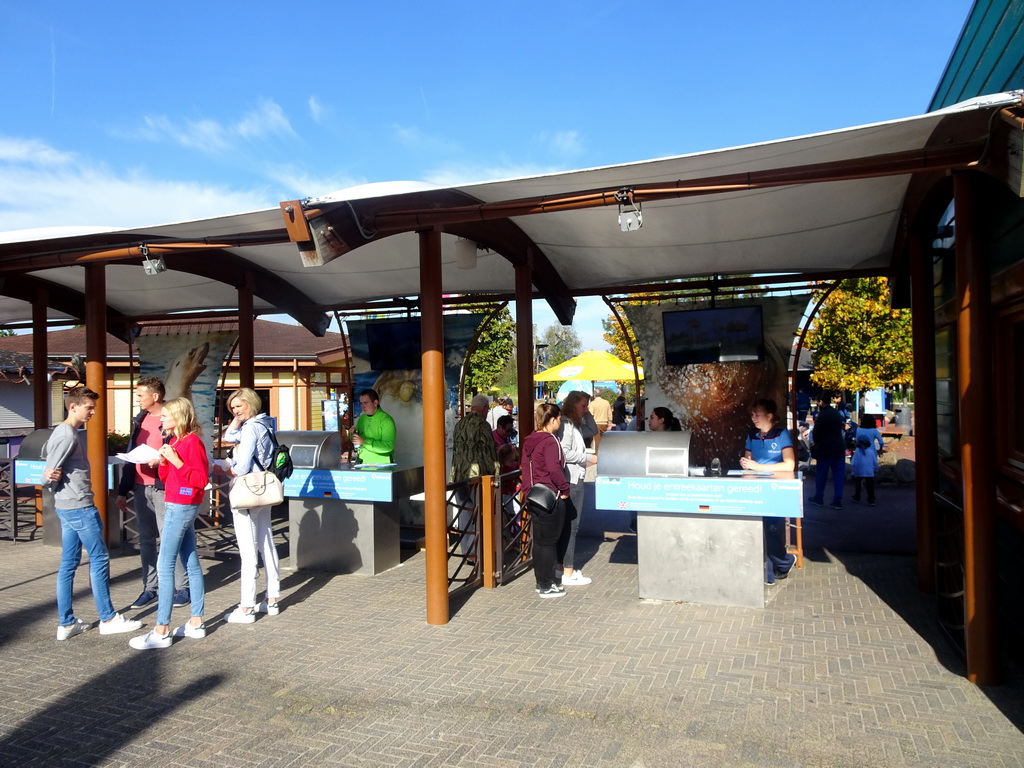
x,y
256,489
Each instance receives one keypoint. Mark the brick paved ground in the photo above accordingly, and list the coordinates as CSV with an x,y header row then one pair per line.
x,y
844,668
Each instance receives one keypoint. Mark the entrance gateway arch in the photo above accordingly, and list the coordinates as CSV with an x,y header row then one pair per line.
x,y
862,201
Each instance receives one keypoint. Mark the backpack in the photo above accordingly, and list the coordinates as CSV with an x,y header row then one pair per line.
x,y
280,460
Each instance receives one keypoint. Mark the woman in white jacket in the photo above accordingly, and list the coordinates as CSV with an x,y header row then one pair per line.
x,y
577,425
251,432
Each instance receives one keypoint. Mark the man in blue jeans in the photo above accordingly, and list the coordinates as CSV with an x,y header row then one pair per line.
x,y
67,475
829,452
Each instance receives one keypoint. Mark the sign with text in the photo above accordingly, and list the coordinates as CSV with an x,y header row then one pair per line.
x,y
30,472
747,496
352,485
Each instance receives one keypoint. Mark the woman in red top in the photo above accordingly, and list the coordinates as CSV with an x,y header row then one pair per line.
x,y
185,470
544,464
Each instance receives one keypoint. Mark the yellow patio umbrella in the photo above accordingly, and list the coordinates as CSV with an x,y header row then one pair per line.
x,y
590,366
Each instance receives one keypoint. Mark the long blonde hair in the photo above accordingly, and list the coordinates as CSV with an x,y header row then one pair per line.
x,y
184,415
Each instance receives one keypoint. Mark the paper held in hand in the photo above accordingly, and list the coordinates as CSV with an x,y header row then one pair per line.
x,y
142,454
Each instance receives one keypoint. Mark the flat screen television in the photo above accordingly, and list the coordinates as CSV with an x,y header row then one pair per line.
x,y
720,335
393,345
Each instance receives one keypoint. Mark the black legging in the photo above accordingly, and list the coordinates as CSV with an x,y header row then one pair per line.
x,y
546,527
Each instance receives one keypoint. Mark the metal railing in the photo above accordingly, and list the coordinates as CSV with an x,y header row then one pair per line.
x,y
489,541
8,501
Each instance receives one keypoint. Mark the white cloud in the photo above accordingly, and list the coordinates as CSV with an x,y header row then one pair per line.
x,y
317,110
564,144
213,136
75,192
297,181
31,151
268,119
412,137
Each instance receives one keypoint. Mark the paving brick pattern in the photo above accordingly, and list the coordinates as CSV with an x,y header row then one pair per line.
x,y
843,668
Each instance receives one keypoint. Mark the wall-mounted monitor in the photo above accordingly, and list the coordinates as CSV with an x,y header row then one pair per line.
x,y
720,335
394,344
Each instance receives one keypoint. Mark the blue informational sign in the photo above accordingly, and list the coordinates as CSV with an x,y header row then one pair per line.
x,y
30,472
353,485
749,496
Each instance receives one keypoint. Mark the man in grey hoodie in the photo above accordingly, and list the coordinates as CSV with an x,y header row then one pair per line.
x,y
67,475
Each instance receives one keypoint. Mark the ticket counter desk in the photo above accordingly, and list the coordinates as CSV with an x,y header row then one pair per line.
x,y
341,519
699,539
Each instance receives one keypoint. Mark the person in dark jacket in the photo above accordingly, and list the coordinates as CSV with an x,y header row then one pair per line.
x,y
543,463
829,452
141,482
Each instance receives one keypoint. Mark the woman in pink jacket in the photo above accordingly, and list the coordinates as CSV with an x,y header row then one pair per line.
x,y
185,469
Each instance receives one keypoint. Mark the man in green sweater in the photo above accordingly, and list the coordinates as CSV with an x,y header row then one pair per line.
x,y
374,437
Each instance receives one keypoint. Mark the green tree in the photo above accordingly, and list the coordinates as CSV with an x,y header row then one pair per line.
x,y
563,343
493,352
858,341
619,343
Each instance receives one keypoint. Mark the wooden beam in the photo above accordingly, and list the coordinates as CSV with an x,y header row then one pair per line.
x,y
977,454
434,476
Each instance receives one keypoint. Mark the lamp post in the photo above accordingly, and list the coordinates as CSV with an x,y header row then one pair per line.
x,y
539,364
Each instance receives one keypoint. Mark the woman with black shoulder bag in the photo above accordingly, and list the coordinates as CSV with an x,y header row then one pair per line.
x,y
545,489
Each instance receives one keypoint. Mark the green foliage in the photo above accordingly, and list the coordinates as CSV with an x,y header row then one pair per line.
x,y
5,332
563,343
493,352
858,341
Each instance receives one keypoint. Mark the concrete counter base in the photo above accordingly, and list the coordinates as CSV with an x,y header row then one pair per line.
x,y
701,559
343,536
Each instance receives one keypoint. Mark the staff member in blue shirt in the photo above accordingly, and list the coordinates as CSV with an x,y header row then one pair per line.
x,y
770,449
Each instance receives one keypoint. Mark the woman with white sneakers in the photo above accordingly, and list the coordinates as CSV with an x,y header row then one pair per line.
x,y
252,434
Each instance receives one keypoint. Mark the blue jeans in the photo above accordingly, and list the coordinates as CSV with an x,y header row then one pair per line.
x,y
78,528
179,538
837,463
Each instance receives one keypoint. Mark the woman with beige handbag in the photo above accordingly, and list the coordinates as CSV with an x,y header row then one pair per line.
x,y
252,434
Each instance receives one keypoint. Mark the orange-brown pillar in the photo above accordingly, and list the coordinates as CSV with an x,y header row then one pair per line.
x,y
974,361
524,348
96,380
40,379
246,340
926,452
434,481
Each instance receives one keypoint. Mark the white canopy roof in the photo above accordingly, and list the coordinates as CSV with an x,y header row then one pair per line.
x,y
842,224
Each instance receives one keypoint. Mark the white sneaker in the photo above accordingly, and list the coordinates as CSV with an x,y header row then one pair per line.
x,y
576,580
187,630
239,616
150,641
271,609
66,633
119,625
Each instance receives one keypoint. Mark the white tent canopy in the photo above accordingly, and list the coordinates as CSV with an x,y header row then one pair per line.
x,y
844,224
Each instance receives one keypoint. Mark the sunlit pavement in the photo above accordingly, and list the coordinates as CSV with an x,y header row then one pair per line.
x,y
845,667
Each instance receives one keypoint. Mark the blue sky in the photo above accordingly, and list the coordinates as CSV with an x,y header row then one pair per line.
x,y
124,114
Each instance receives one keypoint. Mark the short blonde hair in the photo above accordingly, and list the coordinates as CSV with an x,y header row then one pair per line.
x,y
184,415
249,397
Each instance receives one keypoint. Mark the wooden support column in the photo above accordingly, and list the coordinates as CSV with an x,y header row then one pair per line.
x,y
246,342
96,380
922,304
434,480
40,379
524,348
974,366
